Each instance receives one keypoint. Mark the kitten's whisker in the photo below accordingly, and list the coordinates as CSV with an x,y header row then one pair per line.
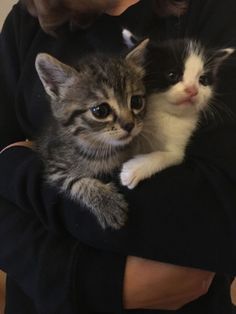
x,y
218,111
223,110
147,138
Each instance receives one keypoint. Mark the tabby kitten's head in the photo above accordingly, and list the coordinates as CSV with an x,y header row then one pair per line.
x,y
182,74
101,100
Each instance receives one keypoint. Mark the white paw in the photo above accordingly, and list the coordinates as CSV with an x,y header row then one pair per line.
x,y
133,171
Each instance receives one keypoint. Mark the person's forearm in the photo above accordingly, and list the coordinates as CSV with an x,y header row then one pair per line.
x,y
136,288
21,182
153,285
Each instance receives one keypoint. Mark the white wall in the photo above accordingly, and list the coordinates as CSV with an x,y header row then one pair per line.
x,y
5,7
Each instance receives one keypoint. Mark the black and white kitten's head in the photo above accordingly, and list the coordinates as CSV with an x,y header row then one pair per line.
x,y
101,101
182,74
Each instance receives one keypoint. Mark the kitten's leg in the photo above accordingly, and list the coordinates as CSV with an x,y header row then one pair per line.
x,y
144,166
103,200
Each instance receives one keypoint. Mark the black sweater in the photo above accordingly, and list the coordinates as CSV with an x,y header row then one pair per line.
x,y
57,258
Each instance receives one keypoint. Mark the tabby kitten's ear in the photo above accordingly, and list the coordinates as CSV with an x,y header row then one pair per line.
x,y
137,55
55,76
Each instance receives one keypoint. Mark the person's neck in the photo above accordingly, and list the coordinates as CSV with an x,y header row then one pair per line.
x,y
120,7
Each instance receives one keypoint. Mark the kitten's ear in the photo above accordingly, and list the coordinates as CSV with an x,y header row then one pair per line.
x,y
137,55
220,56
54,75
129,39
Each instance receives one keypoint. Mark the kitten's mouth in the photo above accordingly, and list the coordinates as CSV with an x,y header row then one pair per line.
x,y
127,138
188,101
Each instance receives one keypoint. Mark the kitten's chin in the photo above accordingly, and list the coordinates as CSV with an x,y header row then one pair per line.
x,y
180,108
192,106
185,103
193,103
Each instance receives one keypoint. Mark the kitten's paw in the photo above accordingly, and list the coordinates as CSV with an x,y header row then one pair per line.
x,y
133,171
114,209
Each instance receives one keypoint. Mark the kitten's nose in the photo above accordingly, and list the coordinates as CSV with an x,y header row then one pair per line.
x,y
191,90
128,126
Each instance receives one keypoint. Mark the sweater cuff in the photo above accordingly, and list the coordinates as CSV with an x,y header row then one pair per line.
x,y
100,281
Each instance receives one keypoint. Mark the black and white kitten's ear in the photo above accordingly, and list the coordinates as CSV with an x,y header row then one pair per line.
x,y
220,56
137,54
55,76
129,39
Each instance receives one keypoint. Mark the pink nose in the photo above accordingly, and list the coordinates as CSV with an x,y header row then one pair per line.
x,y
191,90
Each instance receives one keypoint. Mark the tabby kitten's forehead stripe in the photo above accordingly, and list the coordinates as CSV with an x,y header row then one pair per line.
x,y
103,82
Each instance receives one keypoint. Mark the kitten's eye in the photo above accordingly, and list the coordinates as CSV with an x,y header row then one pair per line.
x,y
173,77
205,80
137,102
101,111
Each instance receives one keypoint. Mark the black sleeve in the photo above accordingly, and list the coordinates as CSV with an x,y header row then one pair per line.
x,y
9,65
58,273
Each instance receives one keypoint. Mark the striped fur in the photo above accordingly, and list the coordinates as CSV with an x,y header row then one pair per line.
x,y
98,110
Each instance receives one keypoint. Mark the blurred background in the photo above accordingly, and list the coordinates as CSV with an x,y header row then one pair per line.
x,y
4,9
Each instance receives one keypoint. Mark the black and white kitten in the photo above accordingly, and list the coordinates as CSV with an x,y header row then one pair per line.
x,y
97,109
180,82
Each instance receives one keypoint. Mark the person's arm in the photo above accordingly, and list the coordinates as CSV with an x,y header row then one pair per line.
x,y
48,267
54,270
154,285
61,275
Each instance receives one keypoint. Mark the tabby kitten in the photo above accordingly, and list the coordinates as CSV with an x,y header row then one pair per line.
x,y
180,81
97,109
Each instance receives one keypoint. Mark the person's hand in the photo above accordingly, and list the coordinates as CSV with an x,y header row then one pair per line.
x,y
26,143
154,285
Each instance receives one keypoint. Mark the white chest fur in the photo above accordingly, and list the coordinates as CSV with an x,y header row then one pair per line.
x,y
163,144
169,132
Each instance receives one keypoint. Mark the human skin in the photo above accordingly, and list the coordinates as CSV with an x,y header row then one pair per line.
x,y
161,286
120,6
151,284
